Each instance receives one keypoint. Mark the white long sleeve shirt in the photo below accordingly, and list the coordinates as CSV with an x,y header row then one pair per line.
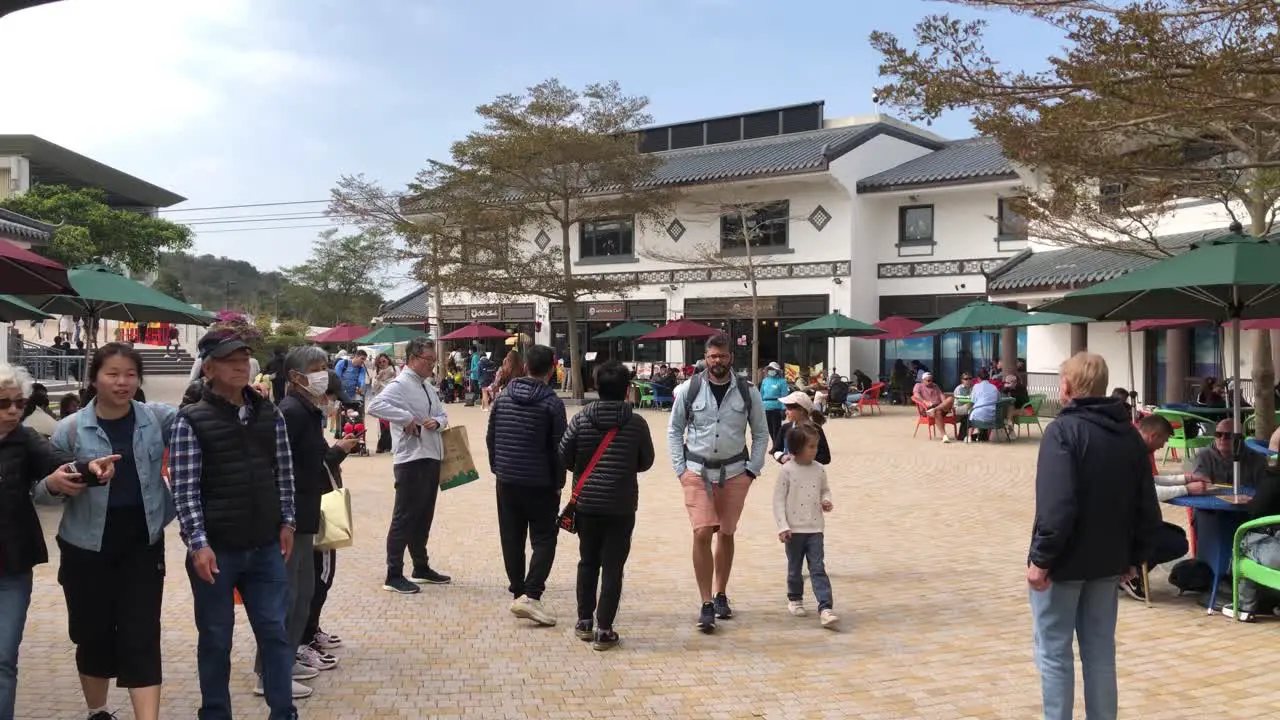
x,y
798,495
411,400
1169,487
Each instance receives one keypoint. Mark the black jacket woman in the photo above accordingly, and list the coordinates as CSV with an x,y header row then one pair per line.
x,y
26,459
799,409
607,503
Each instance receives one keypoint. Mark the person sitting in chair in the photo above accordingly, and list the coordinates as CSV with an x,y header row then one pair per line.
x,y
932,402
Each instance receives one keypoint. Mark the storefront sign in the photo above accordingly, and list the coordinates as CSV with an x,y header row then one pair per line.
x,y
735,307
480,313
607,311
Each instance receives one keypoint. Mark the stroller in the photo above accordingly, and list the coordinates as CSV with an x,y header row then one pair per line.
x,y
352,419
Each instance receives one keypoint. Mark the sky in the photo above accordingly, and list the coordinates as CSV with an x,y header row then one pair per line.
x,y
238,102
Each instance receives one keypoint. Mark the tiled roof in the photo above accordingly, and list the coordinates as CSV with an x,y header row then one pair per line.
x,y
1078,267
413,306
958,161
21,226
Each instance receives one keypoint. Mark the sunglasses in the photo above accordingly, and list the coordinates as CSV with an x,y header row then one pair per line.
x,y
6,403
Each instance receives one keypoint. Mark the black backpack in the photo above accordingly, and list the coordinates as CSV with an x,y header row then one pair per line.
x,y
1191,575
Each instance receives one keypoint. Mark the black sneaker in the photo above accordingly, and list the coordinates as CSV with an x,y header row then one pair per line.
x,y
429,577
707,618
583,630
605,640
103,715
723,611
1134,588
400,585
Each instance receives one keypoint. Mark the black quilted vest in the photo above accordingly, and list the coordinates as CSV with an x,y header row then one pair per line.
x,y
237,478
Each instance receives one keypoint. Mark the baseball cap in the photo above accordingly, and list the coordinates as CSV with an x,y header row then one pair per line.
x,y
798,398
775,366
927,376
219,344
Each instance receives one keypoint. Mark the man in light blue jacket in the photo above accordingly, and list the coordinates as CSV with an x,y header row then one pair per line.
x,y
710,419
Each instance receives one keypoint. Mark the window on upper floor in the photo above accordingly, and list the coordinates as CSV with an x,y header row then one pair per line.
x,y
915,225
763,224
607,237
1012,224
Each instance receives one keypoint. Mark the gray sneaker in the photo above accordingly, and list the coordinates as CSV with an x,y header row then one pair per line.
x,y
530,609
299,690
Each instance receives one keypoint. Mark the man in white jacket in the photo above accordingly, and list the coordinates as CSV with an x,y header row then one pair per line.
x,y
417,417
1170,542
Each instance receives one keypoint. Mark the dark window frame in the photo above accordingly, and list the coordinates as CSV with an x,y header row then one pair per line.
x,y
780,226
626,239
903,240
1006,232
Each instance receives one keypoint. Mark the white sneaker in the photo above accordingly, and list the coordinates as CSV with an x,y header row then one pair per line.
x,y
299,690
946,438
829,618
796,608
529,609
312,658
303,672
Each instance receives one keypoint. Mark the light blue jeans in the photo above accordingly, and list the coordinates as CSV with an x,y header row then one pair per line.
x,y
1084,611
15,598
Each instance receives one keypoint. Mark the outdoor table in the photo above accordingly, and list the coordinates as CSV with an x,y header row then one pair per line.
x,y
1216,521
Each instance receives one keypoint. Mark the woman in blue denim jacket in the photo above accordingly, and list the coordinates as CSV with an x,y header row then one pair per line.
x,y
112,535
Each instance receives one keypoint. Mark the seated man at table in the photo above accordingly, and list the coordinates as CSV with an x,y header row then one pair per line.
x,y
1169,542
933,403
1215,462
1260,546
985,404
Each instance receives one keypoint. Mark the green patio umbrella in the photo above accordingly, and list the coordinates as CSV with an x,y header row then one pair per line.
x,y
1226,279
390,335
626,331
13,309
835,325
974,317
1049,318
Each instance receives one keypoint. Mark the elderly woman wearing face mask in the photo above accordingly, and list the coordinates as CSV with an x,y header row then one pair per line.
x,y
773,386
303,407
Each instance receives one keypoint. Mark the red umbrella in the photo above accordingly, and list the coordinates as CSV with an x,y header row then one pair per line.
x,y
23,272
681,330
1261,324
896,327
477,331
1139,325
343,333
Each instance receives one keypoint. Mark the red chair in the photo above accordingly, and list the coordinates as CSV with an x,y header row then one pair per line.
x,y
871,399
925,418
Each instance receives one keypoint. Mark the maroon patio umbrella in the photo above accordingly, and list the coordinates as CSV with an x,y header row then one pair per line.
x,y
896,327
342,333
23,272
477,331
1261,324
681,330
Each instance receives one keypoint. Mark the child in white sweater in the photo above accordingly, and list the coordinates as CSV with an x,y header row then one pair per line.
x,y
800,497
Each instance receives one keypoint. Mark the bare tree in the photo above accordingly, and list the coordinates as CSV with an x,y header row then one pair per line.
x,y
742,228
1148,105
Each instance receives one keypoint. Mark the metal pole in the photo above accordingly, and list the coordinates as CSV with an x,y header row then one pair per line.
x,y
1128,335
1237,428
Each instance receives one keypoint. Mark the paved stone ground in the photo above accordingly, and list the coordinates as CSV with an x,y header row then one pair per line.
x,y
925,549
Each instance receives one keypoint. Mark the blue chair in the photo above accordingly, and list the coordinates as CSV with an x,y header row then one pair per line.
x,y
1258,446
662,396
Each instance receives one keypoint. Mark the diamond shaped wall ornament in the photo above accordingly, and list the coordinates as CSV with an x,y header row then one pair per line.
x,y
676,230
543,240
819,218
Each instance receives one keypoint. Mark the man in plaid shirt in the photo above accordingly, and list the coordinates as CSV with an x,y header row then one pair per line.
x,y
232,476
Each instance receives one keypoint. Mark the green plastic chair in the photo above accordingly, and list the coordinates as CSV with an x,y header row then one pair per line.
x,y
1179,419
1251,422
1244,568
646,395
1034,402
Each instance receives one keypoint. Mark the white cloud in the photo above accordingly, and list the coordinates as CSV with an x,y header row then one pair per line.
x,y
90,73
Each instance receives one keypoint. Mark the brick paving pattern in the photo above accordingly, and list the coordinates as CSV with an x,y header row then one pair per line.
x,y
926,553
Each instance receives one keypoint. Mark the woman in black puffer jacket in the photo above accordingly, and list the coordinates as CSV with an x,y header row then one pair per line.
x,y
608,500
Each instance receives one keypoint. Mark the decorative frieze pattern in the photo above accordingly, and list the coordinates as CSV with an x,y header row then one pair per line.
x,y
696,275
939,268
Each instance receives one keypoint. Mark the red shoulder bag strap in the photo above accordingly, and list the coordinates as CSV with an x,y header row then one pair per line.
x,y
604,445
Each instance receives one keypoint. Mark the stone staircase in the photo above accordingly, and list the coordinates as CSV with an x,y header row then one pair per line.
x,y
156,363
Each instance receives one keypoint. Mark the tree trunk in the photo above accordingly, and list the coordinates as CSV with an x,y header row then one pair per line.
x,y
755,331
1264,376
574,375
441,357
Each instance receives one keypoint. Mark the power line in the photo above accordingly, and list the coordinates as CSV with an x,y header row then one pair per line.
x,y
233,221
273,204
252,229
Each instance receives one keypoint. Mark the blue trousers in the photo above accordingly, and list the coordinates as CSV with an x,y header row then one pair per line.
x,y
802,548
15,598
260,576
1084,611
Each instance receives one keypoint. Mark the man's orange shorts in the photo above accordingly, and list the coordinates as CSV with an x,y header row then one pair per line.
x,y
722,508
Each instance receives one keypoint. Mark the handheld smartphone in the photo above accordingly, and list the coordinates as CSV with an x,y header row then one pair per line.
x,y
89,479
